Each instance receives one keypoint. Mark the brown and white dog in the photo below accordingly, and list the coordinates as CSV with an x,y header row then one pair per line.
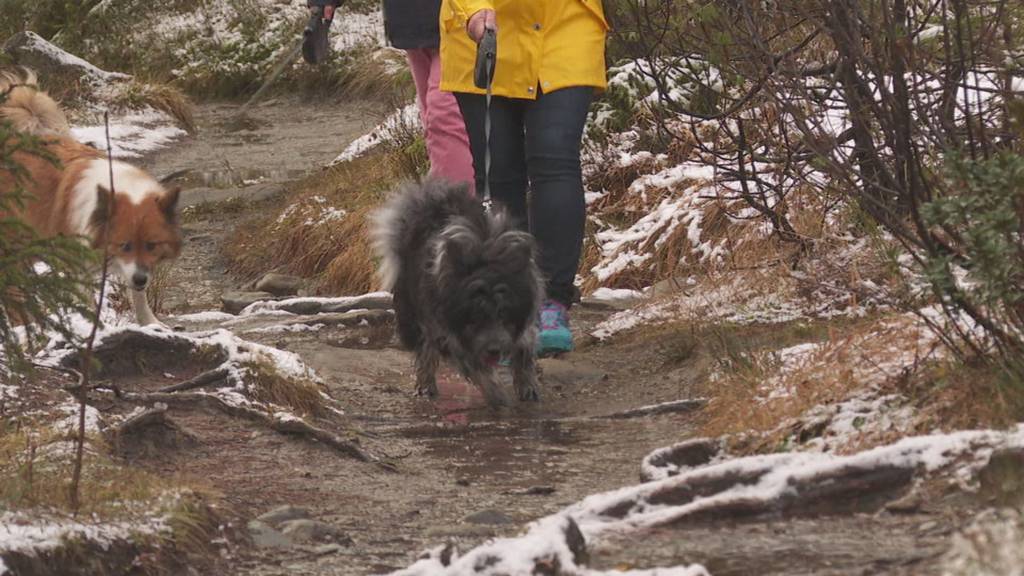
x,y
72,197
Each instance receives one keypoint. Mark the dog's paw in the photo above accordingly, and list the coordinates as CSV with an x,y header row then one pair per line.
x,y
529,394
427,390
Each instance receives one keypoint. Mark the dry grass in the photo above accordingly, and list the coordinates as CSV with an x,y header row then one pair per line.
x,y
298,236
163,97
267,385
891,354
35,470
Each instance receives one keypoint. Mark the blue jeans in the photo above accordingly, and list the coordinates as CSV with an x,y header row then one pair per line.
x,y
535,146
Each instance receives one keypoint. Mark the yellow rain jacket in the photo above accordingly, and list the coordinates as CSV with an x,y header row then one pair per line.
x,y
548,43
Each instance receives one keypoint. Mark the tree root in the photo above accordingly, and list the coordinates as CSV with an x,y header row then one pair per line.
x,y
204,379
290,425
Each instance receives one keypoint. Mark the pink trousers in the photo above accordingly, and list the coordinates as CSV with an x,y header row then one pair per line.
x,y
443,128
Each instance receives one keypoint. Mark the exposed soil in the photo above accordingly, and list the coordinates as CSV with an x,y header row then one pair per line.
x,y
465,472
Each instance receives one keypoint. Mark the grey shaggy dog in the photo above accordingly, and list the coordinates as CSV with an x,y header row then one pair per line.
x,y
466,286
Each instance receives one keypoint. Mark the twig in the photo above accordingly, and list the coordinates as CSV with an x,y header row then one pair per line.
x,y
204,379
78,376
83,390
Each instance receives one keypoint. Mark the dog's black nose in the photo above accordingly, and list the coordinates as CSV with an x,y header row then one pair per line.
x,y
494,350
140,279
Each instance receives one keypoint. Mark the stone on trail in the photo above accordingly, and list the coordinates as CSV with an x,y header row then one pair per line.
x,y
279,284
264,536
488,517
234,301
303,530
283,514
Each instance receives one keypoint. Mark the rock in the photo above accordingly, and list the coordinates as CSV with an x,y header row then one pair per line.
x,y
367,302
488,517
1002,479
532,491
325,549
279,284
54,64
283,514
264,536
571,373
304,530
234,301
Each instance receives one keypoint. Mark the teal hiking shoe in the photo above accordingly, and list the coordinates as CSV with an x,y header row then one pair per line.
x,y
555,336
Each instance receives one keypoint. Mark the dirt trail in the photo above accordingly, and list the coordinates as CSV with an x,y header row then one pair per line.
x,y
466,473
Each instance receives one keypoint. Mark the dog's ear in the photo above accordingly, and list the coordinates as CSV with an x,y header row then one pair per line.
x,y
513,249
457,250
169,203
104,208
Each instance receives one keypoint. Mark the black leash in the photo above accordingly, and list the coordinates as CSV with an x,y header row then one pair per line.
x,y
486,58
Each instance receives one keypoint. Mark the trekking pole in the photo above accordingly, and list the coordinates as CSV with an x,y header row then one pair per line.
x,y
486,58
314,38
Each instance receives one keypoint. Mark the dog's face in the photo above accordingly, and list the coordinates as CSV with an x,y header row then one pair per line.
x,y
141,234
488,289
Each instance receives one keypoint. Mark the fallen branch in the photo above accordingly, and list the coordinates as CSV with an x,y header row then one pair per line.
x,y
286,426
204,379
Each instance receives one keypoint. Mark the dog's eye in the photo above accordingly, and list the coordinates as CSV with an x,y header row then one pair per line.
x,y
150,246
126,247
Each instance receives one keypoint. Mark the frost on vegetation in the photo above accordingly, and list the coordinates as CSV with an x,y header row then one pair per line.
x,y
243,40
315,211
737,301
992,545
403,121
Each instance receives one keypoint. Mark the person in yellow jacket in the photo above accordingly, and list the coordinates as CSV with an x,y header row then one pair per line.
x,y
551,59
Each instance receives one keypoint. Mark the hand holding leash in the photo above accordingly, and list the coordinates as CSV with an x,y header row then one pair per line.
x,y
479,23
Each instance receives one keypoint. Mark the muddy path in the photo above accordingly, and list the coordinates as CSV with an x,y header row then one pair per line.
x,y
465,473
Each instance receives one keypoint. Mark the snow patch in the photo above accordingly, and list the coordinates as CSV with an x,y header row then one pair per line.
x,y
403,120
132,134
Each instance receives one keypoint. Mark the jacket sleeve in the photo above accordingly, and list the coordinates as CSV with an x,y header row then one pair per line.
x,y
466,8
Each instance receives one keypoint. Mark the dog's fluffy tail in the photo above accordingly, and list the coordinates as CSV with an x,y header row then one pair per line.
x,y
406,219
28,108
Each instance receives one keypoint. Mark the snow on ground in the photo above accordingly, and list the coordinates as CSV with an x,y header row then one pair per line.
x,y
402,121
544,541
616,294
279,305
38,532
132,134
